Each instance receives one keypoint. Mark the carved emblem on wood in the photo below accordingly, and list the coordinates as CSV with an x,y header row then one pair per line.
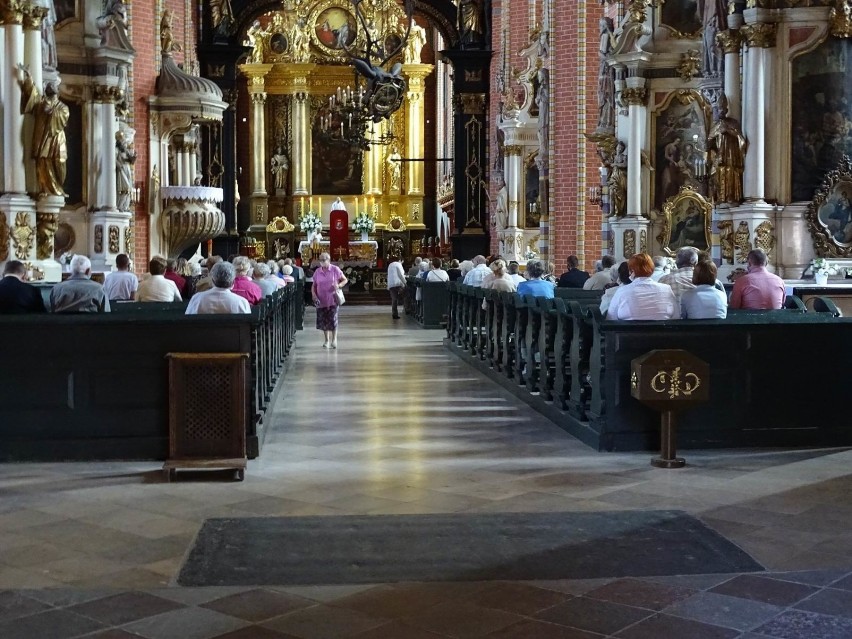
x,y
22,236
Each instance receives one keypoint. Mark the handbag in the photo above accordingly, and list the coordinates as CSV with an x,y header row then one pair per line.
x,y
338,295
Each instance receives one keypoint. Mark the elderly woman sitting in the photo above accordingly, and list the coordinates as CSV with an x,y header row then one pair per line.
x,y
243,286
218,299
501,281
260,276
535,285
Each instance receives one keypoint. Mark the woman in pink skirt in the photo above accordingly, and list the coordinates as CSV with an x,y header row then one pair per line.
x,y
327,279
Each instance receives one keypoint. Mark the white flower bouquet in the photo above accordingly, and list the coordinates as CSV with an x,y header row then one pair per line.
x,y
363,223
530,254
821,266
310,222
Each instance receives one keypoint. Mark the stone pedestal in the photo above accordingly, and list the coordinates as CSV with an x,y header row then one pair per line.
x,y
47,221
107,233
630,236
794,249
752,226
512,239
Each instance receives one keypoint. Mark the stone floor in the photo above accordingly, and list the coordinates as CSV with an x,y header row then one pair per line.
x,y
392,423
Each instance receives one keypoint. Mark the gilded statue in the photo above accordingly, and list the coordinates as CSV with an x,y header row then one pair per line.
x,y
22,236
300,41
394,168
471,23
414,44
617,182
727,147
841,19
167,39
51,117
255,40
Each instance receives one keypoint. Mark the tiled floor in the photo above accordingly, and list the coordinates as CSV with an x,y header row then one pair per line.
x,y
391,423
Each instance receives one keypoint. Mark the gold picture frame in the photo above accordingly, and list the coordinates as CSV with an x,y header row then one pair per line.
x,y
686,221
829,215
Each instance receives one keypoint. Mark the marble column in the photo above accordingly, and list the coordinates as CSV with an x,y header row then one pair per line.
x,y
513,237
731,43
374,161
636,97
300,164
33,17
416,120
759,37
15,180
102,188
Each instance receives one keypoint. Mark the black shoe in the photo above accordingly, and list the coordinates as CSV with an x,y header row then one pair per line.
x,y
396,316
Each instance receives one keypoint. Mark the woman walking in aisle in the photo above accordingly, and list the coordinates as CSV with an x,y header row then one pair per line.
x,y
327,280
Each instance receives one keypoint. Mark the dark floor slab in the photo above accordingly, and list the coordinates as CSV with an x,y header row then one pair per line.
x,y
595,616
53,624
258,604
124,608
640,594
667,626
771,591
542,630
829,601
457,547
16,604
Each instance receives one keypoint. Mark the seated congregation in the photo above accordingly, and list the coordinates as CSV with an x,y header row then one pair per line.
x,y
567,350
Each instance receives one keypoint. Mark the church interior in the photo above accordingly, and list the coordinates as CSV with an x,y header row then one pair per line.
x,y
419,483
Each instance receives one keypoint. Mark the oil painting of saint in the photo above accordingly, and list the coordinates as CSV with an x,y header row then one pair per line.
x,y
335,28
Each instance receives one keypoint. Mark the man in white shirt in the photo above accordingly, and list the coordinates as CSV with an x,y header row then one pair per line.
x,y
396,284
661,267
601,279
437,274
219,299
478,273
681,278
121,284
644,299
157,288
517,278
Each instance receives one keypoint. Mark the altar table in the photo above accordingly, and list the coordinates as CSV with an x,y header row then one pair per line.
x,y
358,251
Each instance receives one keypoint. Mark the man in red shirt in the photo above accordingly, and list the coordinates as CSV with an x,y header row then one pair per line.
x,y
759,289
171,274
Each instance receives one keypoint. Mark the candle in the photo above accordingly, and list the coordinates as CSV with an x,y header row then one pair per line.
x,y
356,205
302,208
320,204
311,203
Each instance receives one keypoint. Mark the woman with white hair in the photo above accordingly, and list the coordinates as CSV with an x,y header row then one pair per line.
x,y
260,277
328,278
501,281
273,276
243,286
286,274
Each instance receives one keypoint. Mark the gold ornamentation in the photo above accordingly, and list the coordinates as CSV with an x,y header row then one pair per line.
x,y
742,242
12,11
129,241
760,35
835,186
472,103
673,384
634,95
258,98
107,94
513,149
763,237
730,40
726,240
841,19
643,241
396,223
46,226
690,65
280,225
629,243
22,236
37,273
113,237
33,16
684,206
167,39
638,11
4,238
99,238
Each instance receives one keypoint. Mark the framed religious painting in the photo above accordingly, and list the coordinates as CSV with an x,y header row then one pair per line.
x,y
333,28
829,215
680,125
686,222
682,17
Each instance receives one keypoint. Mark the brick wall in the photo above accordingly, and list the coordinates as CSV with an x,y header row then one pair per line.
x,y
145,35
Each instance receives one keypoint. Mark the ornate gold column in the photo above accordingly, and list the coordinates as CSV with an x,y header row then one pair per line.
x,y
416,121
257,125
374,162
301,165
33,17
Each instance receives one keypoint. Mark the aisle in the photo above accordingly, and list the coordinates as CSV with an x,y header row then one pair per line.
x,y
391,423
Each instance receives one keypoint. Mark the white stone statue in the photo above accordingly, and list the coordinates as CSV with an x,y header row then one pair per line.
x,y
414,44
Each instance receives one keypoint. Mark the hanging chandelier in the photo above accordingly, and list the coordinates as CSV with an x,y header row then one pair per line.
x,y
374,47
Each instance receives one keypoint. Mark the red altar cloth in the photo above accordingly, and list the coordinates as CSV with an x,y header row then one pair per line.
x,y
338,235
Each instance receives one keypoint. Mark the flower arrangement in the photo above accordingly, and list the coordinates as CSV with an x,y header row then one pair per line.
x,y
363,223
530,254
65,258
310,222
821,266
